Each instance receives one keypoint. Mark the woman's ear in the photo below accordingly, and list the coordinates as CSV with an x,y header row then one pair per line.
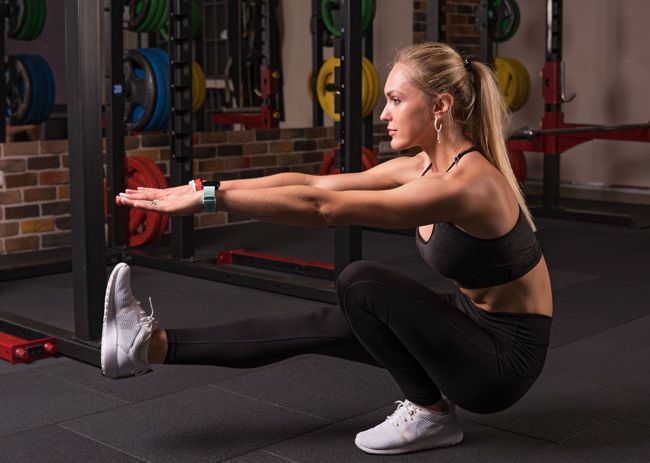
x,y
442,105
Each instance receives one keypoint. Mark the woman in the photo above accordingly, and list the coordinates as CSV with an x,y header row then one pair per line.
x,y
484,345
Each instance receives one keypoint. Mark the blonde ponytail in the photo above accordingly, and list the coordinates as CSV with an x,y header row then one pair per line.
x,y
491,118
479,108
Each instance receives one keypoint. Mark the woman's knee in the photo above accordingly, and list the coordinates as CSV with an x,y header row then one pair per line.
x,y
356,272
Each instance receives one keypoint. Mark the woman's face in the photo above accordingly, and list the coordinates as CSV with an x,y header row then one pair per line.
x,y
407,111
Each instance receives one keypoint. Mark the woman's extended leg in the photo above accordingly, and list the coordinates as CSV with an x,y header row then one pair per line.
x,y
130,344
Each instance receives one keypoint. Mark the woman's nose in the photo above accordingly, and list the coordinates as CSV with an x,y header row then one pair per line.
x,y
385,115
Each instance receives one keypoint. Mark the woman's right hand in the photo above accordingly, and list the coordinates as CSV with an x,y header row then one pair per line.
x,y
160,194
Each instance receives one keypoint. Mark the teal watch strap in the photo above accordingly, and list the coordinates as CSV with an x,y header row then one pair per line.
x,y
209,199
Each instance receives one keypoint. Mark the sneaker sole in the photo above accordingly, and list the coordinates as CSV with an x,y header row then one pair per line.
x,y
454,439
109,328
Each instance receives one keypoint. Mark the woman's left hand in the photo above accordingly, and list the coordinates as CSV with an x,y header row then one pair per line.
x,y
188,203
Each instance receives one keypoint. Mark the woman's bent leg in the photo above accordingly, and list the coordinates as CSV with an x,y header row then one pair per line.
x,y
424,341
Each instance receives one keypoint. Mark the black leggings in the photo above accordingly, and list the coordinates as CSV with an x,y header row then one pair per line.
x,y
483,361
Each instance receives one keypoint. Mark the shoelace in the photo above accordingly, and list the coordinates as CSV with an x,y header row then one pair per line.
x,y
405,412
149,318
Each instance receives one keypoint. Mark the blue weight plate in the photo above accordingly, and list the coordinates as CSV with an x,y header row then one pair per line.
x,y
161,88
157,113
48,79
163,59
163,63
41,103
37,89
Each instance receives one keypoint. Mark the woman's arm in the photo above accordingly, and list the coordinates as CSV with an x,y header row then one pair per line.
x,y
388,174
425,200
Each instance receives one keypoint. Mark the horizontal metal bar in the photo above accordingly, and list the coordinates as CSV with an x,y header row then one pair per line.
x,y
587,216
35,270
66,343
243,109
529,134
276,263
291,285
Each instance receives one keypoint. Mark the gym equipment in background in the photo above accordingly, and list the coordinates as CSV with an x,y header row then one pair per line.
x,y
148,15
514,82
146,76
25,19
195,23
198,86
331,166
144,226
503,19
329,7
30,89
326,88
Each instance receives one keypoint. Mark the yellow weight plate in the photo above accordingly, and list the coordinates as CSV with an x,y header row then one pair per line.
x,y
505,73
374,87
523,84
198,86
325,78
369,87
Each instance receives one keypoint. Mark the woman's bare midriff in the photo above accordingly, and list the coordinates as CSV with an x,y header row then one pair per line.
x,y
528,294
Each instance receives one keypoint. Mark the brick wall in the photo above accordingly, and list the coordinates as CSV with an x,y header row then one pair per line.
x,y
459,25
35,206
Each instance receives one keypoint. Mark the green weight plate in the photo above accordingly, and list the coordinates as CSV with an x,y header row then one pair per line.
x,y
16,18
137,14
503,19
367,14
196,18
42,14
163,16
30,19
151,13
36,6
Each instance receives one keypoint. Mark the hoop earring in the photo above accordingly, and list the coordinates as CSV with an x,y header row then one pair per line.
x,y
438,129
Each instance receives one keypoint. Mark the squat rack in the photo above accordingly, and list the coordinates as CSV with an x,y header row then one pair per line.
x,y
89,256
555,135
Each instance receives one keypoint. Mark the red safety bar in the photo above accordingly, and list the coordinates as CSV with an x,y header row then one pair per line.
x,y
19,350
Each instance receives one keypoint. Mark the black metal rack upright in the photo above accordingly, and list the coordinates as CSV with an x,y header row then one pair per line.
x,y
436,33
180,133
348,240
317,44
3,85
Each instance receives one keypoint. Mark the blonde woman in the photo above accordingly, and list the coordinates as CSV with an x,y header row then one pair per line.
x,y
482,346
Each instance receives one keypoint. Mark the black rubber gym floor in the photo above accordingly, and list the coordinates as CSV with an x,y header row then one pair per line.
x,y
592,402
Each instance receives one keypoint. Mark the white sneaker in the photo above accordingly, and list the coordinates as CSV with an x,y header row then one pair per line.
x,y
411,428
127,328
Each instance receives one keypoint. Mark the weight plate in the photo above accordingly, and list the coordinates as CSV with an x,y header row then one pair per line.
x,y
42,15
503,19
140,90
39,86
19,90
162,61
155,119
30,18
37,89
48,79
198,86
138,10
16,18
369,87
327,14
163,16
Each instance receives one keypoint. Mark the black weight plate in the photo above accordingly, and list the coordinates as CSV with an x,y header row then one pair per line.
x,y
16,17
19,90
140,90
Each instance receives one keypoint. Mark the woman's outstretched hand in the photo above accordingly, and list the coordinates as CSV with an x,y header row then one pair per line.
x,y
180,200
